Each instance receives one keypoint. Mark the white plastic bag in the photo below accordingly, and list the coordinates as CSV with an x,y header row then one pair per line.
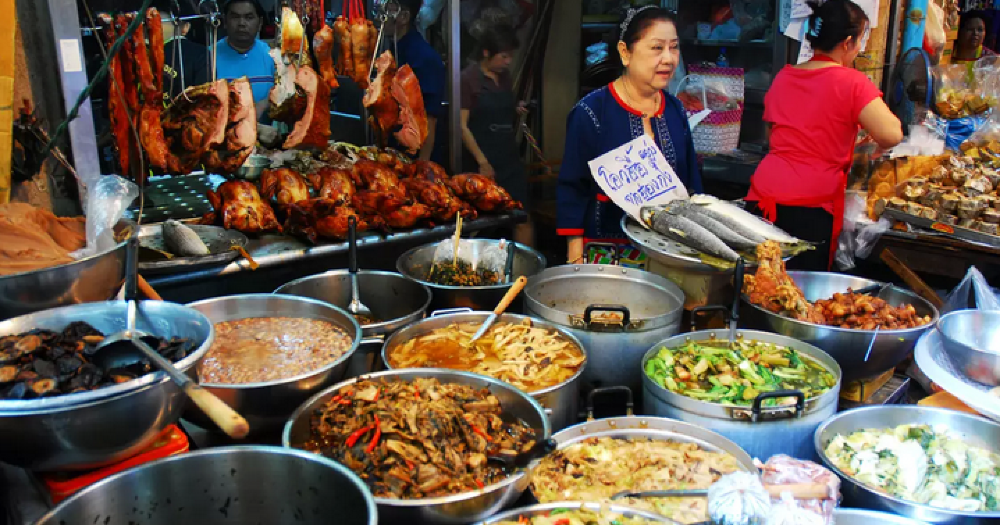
x,y
973,292
106,203
859,234
492,257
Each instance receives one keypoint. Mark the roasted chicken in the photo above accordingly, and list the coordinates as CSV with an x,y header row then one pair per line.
x,y
335,185
412,114
427,170
482,192
378,177
443,204
240,207
284,186
323,218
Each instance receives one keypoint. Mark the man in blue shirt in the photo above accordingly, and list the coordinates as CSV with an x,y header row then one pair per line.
x,y
241,53
412,49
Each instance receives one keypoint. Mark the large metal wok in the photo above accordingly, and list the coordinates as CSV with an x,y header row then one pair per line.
x,y
458,508
847,346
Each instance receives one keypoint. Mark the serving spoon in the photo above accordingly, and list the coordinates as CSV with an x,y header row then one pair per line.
x,y
499,310
356,307
512,462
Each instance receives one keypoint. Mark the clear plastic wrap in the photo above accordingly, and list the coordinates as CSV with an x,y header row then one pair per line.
x,y
738,499
479,256
859,234
786,470
106,203
786,511
973,292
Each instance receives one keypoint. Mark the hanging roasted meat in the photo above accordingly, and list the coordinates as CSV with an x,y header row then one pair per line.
x,y
240,207
482,192
196,123
360,51
117,104
128,73
283,186
293,35
378,97
324,218
323,45
154,30
313,129
241,130
311,10
443,204
342,40
334,184
413,116
288,99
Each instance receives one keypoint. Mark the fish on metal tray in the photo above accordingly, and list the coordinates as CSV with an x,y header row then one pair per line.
x,y
747,219
686,231
727,235
181,240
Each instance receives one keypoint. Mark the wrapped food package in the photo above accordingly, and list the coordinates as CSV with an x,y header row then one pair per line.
x,y
993,176
959,176
949,202
969,208
929,213
977,185
786,470
913,208
933,195
945,218
738,498
914,193
940,175
969,224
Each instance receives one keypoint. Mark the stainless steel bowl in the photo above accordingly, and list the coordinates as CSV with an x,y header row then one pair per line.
x,y
847,346
458,508
91,429
395,301
253,167
266,405
415,264
87,280
972,340
972,429
249,484
869,517
543,509
559,401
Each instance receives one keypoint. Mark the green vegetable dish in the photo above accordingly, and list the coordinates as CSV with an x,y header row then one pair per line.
x,y
922,464
735,376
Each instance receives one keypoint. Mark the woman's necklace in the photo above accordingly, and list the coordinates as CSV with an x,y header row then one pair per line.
x,y
632,100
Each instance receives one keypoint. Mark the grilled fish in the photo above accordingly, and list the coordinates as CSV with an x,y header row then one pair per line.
x,y
181,240
686,231
732,239
747,219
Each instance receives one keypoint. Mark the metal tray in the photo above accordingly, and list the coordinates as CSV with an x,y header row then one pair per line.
x,y
947,229
935,363
219,241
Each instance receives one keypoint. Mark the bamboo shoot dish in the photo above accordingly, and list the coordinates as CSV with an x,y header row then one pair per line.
x,y
528,357
735,376
595,469
417,439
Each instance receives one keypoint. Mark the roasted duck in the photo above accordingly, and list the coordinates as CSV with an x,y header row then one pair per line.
x,y
323,218
196,123
427,170
378,177
323,46
283,186
335,185
482,192
342,40
240,207
312,130
412,114
443,204
378,97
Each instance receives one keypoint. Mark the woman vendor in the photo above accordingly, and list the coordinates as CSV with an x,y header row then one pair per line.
x,y
971,35
814,110
634,104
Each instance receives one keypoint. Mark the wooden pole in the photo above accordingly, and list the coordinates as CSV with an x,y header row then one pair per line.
x,y
910,278
8,24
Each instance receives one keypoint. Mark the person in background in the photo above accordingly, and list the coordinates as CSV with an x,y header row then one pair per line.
x,y
636,103
241,53
488,115
814,111
413,50
971,35
182,57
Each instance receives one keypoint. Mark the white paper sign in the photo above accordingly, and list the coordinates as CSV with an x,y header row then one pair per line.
x,y
800,9
69,48
806,49
637,174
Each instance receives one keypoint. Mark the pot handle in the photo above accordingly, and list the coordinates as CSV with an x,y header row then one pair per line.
x,y
800,402
622,309
609,390
616,257
703,309
449,311
372,340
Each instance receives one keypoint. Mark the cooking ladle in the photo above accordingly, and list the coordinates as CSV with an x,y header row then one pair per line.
x,y
734,314
512,462
499,310
122,349
356,307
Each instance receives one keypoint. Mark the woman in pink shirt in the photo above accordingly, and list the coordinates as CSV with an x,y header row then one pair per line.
x,y
814,111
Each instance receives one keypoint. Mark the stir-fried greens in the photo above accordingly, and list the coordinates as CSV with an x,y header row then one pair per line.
x,y
418,439
595,469
735,376
579,517
461,273
922,464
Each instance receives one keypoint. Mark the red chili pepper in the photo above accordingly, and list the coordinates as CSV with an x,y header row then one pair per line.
x,y
378,434
479,431
416,394
564,521
356,435
378,393
336,399
409,464
344,401
479,483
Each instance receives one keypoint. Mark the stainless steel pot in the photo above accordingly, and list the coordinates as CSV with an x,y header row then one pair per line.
x,y
415,264
92,429
974,430
543,509
869,517
266,405
560,401
87,280
395,301
248,484
458,508
573,296
762,432
847,346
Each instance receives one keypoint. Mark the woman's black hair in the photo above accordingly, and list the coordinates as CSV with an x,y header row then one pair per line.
x,y
413,7
833,22
635,22
497,39
969,16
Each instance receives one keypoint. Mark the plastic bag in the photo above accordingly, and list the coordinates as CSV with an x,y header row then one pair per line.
x,y
738,498
859,234
956,93
786,470
479,256
961,129
973,292
106,203
787,512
